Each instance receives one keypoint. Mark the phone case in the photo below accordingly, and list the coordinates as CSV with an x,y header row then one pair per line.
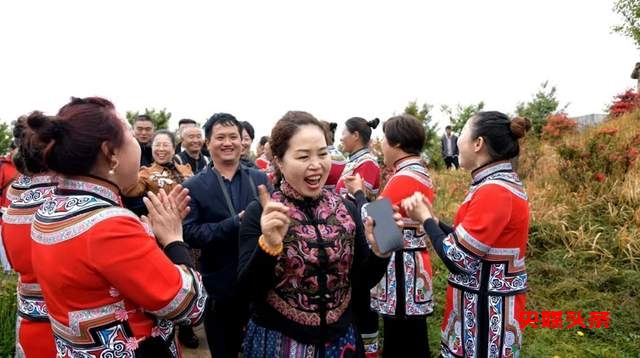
x,y
387,234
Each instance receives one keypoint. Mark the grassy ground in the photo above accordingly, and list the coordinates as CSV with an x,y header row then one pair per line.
x,y
7,314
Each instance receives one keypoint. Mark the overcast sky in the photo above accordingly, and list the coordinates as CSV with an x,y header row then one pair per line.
x,y
335,59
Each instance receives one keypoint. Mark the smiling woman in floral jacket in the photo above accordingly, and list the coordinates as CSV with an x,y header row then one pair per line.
x,y
163,173
303,254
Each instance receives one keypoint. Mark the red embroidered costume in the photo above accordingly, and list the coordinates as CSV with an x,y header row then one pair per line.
x,y
411,270
8,173
366,164
485,253
338,162
34,337
110,290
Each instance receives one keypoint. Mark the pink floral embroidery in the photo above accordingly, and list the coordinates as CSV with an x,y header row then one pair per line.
x,y
113,292
121,315
131,344
155,331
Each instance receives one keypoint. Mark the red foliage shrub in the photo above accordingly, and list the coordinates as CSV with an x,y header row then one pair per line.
x,y
558,125
624,103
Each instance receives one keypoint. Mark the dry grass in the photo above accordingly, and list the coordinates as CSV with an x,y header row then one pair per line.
x,y
584,245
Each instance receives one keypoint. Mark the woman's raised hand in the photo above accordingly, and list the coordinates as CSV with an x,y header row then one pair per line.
x,y
181,197
353,183
274,221
165,215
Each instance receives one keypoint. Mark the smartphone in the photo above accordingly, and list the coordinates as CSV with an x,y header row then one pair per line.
x,y
387,234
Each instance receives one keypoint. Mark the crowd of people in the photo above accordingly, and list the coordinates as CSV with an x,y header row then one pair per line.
x,y
123,234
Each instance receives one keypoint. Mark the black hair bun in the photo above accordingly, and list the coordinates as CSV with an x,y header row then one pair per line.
x,y
373,124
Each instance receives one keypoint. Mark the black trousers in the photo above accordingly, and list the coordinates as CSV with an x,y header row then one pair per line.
x,y
223,323
449,161
405,338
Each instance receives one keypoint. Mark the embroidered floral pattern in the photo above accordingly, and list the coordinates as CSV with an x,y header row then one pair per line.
x,y
163,329
113,292
115,341
131,344
495,326
383,298
319,227
43,234
121,314
188,306
32,308
418,289
103,190
499,282
26,204
470,329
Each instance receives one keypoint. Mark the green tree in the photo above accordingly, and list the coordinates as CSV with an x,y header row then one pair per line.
x,y
461,115
6,137
431,146
543,103
160,117
629,10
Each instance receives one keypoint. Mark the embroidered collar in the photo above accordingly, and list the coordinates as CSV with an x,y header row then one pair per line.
x,y
406,162
358,154
45,179
292,194
91,185
484,171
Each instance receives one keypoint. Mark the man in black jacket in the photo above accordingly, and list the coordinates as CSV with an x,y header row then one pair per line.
x,y
449,148
192,140
219,194
143,129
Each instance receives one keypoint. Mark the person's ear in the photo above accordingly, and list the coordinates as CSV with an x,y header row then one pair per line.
x,y
478,144
278,163
110,156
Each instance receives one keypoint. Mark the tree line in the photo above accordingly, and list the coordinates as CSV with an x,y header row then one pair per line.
x,y
542,104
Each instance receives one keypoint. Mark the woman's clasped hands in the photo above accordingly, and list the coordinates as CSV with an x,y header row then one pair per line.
x,y
166,213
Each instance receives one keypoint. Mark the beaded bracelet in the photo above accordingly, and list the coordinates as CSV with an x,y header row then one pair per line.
x,y
265,247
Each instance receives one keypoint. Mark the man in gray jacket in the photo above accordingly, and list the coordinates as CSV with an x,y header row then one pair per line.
x,y
449,146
